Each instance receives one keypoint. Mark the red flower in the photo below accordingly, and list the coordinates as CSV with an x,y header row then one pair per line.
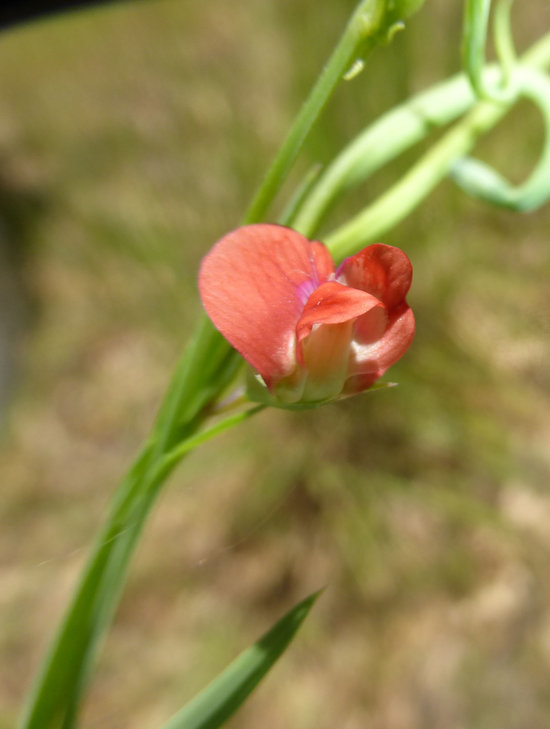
x,y
311,332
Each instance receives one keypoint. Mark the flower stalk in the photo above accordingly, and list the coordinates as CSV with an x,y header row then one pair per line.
x,y
373,22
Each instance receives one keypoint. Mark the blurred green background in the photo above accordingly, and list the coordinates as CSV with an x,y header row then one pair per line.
x,y
131,138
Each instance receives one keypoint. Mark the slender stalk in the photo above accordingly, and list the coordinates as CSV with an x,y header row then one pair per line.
x,y
359,38
131,522
395,132
382,141
504,42
404,196
395,204
201,374
476,20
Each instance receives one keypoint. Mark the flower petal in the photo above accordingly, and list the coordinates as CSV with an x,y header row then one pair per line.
x,y
323,260
374,359
370,327
324,335
254,284
326,355
381,270
334,303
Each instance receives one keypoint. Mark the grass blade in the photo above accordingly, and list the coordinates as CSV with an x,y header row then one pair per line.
x,y
220,699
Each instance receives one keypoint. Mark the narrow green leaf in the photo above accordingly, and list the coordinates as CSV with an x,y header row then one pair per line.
x,y
62,671
201,375
220,699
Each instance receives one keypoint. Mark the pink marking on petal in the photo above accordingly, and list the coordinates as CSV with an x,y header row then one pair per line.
x,y
381,270
334,303
253,284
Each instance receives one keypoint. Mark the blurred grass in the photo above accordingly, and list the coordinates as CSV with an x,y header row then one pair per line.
x,y
131,138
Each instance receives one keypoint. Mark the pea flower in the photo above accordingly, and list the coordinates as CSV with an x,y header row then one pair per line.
x,y
312,333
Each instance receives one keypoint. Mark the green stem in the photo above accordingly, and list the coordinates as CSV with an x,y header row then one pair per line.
x,y
171,460
391,207
476,20
117,544
65,671
504,42
385,139
405,195
395,132
299,197
359,38
202,373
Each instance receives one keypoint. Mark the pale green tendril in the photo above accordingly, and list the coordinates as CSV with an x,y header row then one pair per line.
x,y
476,22
482,181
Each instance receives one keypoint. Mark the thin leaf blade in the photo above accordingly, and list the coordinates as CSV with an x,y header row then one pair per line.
x,y
220,699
